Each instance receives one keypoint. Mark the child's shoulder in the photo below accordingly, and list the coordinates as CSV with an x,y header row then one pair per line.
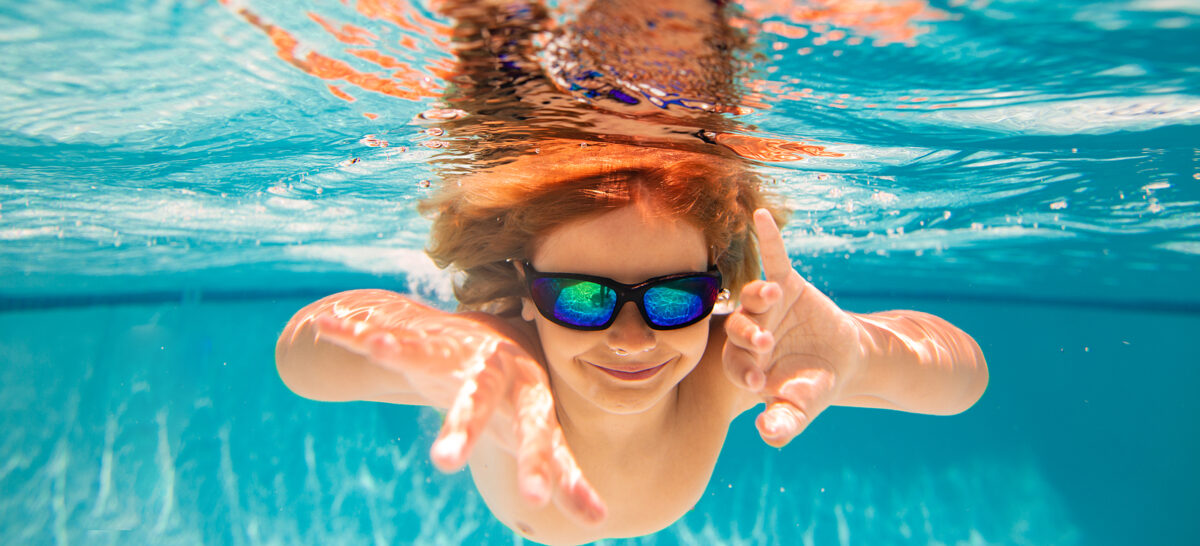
x,y
708,389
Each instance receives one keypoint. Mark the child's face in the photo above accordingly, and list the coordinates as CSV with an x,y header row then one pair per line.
x,y
628,245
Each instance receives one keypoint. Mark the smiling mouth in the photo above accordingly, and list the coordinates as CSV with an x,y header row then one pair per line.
x,y
645,373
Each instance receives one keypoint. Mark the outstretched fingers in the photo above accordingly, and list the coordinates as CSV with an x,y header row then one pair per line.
x,y
760,297
577,497
468,417
751,329
746,351
777,266
545,465
535,448
749,336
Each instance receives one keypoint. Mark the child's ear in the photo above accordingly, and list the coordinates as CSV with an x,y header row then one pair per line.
x,y
528,312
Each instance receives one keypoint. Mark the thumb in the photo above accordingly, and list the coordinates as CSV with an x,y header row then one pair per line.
x,y
796,402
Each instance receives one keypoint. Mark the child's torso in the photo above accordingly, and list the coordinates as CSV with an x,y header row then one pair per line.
x,y
646,485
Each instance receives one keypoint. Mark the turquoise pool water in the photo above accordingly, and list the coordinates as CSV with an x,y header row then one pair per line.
x,y
172,189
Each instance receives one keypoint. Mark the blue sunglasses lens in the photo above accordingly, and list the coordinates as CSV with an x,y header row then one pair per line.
x,y
680,301
581,303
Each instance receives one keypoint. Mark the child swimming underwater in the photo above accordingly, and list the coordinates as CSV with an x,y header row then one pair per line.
x,y
599,372
586,380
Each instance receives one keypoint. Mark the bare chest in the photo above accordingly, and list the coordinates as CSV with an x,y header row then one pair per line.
x,y
646,485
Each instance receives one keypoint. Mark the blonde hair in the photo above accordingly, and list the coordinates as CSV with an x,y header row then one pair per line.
x,y
486,219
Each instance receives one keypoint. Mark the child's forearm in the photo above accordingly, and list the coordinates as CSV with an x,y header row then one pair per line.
x,y
917,362
321,370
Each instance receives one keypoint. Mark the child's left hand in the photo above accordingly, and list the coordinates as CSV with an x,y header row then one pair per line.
x,y
789,343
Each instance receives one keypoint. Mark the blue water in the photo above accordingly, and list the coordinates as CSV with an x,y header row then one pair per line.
x,y
171,191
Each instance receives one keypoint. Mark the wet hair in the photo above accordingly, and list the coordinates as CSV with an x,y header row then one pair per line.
x,y
484,220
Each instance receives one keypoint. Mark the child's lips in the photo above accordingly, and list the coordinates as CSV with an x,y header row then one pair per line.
x,y
632,373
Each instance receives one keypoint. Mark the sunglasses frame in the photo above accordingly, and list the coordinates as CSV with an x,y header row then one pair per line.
x,y
635,293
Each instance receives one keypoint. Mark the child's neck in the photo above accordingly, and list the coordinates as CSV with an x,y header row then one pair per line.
x,y
589,426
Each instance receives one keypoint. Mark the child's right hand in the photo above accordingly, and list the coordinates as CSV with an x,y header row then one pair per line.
x,y
488,382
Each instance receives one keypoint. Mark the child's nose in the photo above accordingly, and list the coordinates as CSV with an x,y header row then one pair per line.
x,y
629,334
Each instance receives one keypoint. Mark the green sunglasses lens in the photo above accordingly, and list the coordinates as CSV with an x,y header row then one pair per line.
x,y
581,303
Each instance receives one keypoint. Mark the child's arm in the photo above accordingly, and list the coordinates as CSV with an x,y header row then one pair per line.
x,y
917,362
315,367
790,346
379,345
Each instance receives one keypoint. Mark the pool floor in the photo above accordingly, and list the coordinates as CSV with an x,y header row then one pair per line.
x,y
165,423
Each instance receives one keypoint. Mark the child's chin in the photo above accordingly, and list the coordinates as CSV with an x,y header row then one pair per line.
x,y
633,397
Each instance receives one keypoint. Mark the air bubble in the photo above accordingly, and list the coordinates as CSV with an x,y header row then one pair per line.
x,y
373,141
442,114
